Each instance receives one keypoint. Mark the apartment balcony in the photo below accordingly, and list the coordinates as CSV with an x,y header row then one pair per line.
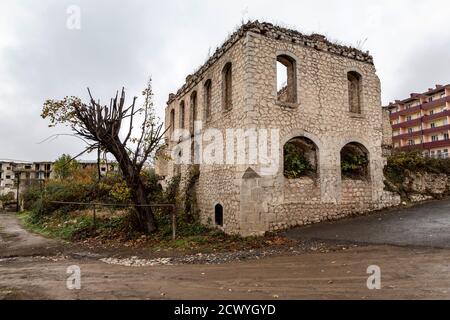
x,y
436,129
407,124
435,116
435,103
412,147
405,112
408,135
436,144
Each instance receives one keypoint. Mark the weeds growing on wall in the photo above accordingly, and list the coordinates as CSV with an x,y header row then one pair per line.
x,y
400,163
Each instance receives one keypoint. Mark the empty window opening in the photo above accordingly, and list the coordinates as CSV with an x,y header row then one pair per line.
x,y
227,87
193,111
207,98
218,215
286,79
354,91
300,158
355,161
182,115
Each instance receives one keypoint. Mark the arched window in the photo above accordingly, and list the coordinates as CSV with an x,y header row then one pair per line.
x,y
286,79
300,158
207,98
182,115
172,120
193,116
355,161
227,87
354,91
218,215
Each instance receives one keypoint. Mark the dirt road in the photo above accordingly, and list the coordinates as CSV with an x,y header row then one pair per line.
x,y
406,272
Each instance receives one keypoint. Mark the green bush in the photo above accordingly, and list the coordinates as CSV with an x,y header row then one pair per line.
x,y
413,161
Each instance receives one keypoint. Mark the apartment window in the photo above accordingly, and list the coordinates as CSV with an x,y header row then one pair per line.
x,y
408,118
431,112
411,142
8,177
442,95
286,79
446,137
434,138
172,120
410,130
207,98
193,110
433,125
430,99
227,87
354,91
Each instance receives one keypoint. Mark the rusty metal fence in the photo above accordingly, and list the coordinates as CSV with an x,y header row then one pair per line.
x,y
95,205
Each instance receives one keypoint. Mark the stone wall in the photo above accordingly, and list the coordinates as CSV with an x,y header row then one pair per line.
x,y
387,133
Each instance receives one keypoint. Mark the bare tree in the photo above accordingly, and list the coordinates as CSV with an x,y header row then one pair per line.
x,y
101,127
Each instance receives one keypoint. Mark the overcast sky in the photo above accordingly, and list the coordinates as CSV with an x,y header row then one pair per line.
x,y
121,43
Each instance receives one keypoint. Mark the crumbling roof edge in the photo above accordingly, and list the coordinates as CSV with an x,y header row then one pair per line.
x,y
315,41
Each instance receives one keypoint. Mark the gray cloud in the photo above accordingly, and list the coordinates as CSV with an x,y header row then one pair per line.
x,y
122,43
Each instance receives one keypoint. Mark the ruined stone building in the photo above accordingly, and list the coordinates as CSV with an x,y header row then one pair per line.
x,y
25,172
320,99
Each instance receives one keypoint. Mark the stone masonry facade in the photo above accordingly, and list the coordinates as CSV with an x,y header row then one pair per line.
x,y
332,99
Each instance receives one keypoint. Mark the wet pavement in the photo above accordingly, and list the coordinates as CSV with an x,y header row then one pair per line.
x,y
425,225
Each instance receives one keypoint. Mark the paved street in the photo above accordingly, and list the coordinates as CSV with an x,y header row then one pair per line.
x,y
426,225
32,268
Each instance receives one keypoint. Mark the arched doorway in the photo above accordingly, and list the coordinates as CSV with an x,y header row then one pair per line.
x,y
300,158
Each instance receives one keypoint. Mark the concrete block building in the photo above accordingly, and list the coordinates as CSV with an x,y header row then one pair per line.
x,y
268,87
422,122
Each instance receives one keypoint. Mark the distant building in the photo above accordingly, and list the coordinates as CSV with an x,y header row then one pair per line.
x,y
12,171
421,122
28,173
301,91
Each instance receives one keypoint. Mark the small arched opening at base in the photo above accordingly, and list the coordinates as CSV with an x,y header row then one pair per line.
x,y
218,215
300,158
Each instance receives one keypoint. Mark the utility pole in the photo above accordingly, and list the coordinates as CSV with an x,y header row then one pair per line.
x,y
18,190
